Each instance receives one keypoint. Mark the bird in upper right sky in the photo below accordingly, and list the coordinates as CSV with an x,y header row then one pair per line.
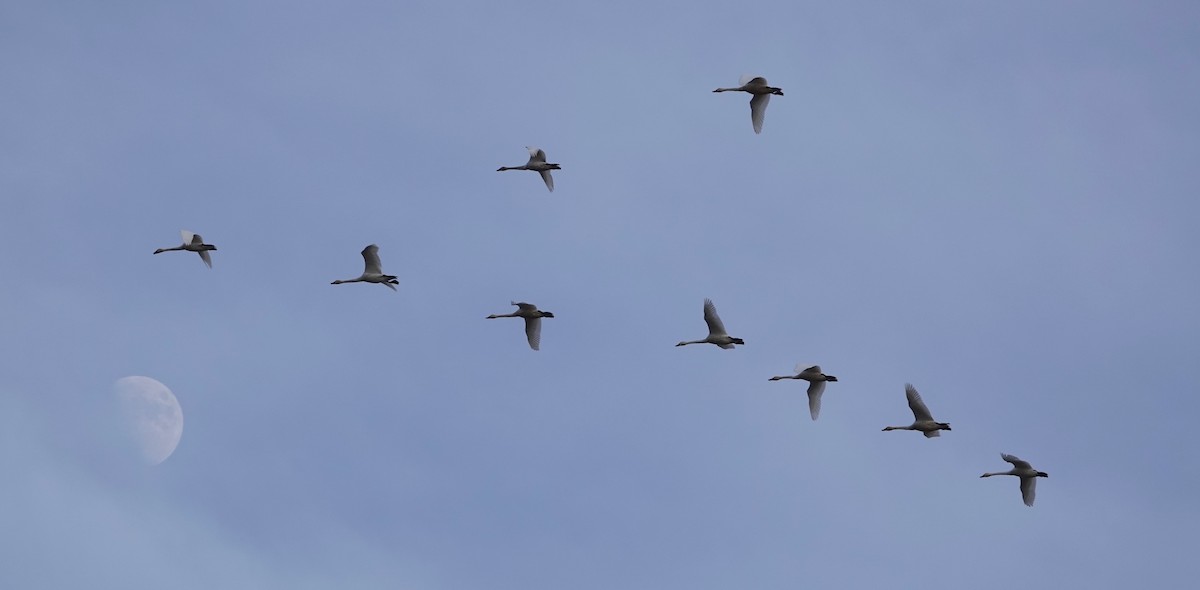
x,y
1026,472
757,86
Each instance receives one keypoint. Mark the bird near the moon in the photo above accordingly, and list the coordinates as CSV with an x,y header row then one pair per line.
x,y
151,416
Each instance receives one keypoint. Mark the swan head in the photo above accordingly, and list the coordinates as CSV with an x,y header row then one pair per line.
x,y
887,428
337,282
774,378
1043,474
681,344
502,169
159,251
492,317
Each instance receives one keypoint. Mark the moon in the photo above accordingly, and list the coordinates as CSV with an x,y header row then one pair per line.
x,y
151,415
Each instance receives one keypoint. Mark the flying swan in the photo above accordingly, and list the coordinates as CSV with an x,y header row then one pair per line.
x,y
372,271
192,243
816,385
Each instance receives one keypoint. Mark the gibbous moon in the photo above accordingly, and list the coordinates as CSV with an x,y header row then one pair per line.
x,y
151,415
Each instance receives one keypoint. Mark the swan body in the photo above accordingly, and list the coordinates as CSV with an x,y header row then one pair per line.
x,y
372,271
757,86
924,420
816,385
1026,472
537,162
716,329
192,243
533,321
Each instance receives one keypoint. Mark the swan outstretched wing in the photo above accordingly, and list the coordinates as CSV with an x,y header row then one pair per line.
x,y
189,237
815,389
752,80
370,256
758,109
549,180
715,326
524,306
917,405
1028,489
1018,463
536,154
813,370
533,332
204,256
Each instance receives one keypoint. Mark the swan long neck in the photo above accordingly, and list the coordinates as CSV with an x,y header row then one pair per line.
x,y
501,315
160,250
909,427
778,377
996,473
691,342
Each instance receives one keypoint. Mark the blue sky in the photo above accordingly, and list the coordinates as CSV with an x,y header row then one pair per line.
x,y
993,201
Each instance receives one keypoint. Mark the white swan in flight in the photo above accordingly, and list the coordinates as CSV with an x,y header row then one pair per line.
x,y
537,162
716,329
533,321
372,271
757,86
192,243
924,420
1026,472
816,385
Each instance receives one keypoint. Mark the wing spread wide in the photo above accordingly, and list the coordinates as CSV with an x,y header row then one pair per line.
x,y
758,110
917,405
715,326
533,332
1028,490
370,256
815,389
536,154
1018,463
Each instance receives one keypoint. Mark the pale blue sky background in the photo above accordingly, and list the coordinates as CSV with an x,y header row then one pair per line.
x,y
995,201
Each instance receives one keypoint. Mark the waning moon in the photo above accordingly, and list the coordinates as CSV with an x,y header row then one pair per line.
x,y
151,414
